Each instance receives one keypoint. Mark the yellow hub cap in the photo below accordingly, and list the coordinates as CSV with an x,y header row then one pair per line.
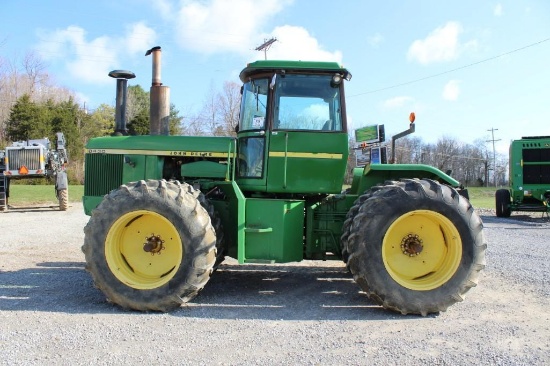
x,y
422,250
143,249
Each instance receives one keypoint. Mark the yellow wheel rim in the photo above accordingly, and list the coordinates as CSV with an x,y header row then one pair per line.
x,y
422,250
143,249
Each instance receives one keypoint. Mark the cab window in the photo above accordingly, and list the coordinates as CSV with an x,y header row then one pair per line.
x,y
254,105
307,102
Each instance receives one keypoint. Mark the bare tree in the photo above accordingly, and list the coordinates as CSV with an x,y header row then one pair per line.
x,y
34,72
408,150
27,77
229,101
219,114
466,162
446,148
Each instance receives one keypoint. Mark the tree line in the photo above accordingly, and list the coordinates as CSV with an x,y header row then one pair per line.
x,y
32,106
471,164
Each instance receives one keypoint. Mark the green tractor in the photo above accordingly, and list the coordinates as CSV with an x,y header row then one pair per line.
x,y
529,178
166,210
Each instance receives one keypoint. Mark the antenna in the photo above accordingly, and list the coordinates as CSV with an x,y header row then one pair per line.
x,y
266,45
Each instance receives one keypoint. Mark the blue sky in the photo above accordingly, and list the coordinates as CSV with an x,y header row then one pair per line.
x,y
462,67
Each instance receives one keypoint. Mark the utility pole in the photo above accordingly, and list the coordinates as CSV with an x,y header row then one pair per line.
x,y
494,154
265,46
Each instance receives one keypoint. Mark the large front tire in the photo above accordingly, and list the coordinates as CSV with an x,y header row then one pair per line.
x,y
416,246
150,245
63,197
346,227
221,249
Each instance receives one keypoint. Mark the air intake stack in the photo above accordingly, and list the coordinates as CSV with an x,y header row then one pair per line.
x,y
160,98
121,77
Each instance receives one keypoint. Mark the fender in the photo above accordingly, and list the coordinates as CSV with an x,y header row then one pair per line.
x,y
61,181
373,174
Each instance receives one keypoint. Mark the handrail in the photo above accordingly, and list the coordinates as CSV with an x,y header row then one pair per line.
x,y
286,160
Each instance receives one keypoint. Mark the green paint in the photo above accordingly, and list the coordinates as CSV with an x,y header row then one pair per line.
x,y
276,186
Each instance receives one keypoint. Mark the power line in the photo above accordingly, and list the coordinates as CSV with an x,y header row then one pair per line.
x,y
452,70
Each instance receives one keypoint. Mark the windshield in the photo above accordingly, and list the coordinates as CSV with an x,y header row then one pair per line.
x,y
307,102
254,105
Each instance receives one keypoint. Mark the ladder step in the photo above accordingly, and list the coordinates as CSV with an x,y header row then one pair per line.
x,y
2,192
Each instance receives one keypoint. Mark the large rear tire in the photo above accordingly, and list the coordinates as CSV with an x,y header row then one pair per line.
x,y
150,245
416,246
502,202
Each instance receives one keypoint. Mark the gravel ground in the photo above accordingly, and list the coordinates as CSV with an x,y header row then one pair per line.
x,y
308,313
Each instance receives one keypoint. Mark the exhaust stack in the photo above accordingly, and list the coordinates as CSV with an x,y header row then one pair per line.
x,y
121,77
159,116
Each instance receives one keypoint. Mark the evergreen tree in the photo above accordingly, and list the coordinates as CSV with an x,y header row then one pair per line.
x,y
175,121
65,118
100,123
28,121
137,102
139,125
138,112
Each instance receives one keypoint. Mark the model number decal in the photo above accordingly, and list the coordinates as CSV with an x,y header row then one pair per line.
x,y
192,153
198,154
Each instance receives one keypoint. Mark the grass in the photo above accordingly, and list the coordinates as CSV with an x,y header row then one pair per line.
x,y
480,197
21,194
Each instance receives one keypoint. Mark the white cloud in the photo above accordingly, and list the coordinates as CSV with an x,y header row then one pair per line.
x,y
316,111
397,102
91,60
375,40
295,43
164,7
497,10
219,25
442,44
451,90
139,38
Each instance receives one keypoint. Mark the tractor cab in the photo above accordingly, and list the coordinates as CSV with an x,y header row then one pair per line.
x,y
292,134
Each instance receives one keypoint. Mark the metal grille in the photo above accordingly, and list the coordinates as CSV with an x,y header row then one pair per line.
x,y
536,173
103,173
536,155
30,158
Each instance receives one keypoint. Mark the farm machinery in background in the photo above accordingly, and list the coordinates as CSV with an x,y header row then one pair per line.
x,y
166,210
529,168
35,159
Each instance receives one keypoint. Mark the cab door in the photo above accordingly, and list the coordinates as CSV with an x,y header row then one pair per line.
x,y
252,138
307,161
308,145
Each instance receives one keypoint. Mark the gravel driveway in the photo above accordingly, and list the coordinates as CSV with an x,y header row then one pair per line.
x,y
309,313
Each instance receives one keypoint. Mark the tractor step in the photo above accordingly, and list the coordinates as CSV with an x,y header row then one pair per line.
x,y
3,198
531,208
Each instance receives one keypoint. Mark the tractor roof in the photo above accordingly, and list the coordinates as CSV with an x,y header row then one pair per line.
x,y
291,66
